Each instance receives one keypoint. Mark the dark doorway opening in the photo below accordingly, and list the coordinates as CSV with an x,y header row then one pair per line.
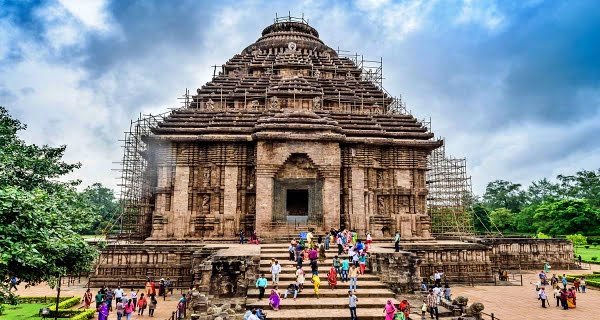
x,y
297,202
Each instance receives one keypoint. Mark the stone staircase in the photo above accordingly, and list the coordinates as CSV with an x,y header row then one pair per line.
x,y
332,304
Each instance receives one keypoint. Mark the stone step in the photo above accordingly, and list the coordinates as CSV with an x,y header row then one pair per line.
x,y
340,292
333,314
321,303
323,269
364,284
291,277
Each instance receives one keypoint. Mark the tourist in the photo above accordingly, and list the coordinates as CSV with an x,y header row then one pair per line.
x,y
87,299
397,237
103,311
447,292
162,292
553,280
254,238
316,283
261,284
13,283
576,284
437,292
432,304
404,308
150,288
563,299
582,284
133,296
571,298
345,269
275,271
120,308
300,278
355,259
556,294
182,306
360,247
252,315
337,265
362,262
340,245
169,286
437,277
389,310
118,293
332,278
314,267
322,252
248,313
99,299
424,309
327,239
354,237
274,300
152,305
352,301
309,237
260,314
313,254
579,259
299,255
564,281
292,252
292,288
129,309
142,303
241,236
353,277
369,241
397,246
542,296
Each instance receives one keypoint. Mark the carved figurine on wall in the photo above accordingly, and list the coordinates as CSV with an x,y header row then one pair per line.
x,y
210,104
274,103
206,177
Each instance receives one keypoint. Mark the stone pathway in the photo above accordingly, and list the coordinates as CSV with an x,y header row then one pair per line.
x,y
516,302
163,310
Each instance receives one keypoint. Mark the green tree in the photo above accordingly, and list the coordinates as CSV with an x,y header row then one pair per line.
x,y
524,219
40,217
583,185
503,219
566,216
543,190
104,205
481,219
504,194
578,239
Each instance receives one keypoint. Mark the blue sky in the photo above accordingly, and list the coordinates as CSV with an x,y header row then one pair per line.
x,y
512,86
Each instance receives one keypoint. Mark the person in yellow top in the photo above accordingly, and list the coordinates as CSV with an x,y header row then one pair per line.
x,y
353,273
316,283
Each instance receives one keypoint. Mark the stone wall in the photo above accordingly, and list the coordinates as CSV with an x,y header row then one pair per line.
x,y
525,253
399,270
129,265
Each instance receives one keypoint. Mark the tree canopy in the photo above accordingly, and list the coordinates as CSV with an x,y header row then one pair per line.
x,y
569,205
40,216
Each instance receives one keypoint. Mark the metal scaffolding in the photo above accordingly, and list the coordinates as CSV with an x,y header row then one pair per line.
x,y
449,199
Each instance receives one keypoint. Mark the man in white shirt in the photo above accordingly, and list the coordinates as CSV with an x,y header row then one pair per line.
x,y
437,276
352,300
118,294
275,270
437,292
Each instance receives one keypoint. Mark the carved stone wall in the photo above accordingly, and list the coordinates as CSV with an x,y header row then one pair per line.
x,y
399,270
507,253
383,190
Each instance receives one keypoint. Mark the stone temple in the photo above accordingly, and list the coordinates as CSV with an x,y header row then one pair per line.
x,y
290,135
288,132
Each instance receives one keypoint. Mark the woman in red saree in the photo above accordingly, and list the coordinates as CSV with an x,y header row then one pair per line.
x,y
332,278
404,307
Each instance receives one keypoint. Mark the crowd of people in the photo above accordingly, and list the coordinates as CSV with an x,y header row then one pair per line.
x,y
566,297
127,304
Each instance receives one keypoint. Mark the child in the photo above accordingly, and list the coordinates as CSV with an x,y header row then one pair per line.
x,y
152,306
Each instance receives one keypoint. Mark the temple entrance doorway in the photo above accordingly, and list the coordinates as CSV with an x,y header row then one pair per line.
x,y
297,206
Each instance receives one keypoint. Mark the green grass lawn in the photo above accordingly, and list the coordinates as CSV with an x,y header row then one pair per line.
x,y
587,254
22,311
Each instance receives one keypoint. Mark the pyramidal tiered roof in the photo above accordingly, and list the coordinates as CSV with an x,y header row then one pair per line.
x,y
289,80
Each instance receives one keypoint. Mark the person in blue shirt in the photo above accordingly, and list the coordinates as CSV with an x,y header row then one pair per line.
x,y
345,268
261,284
564,281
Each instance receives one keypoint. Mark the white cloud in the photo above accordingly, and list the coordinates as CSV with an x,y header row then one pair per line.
x,y
92,13
483,13
398,19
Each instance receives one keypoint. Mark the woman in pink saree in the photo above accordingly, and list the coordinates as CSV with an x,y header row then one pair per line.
x,y
274,299
390,310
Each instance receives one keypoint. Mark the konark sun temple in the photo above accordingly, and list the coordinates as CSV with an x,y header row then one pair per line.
x,y
291,135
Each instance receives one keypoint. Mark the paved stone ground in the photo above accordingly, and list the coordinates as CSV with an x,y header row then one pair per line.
x,y
163,310
516,302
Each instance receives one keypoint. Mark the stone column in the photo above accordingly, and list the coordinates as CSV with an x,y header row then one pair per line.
x,y
357,214
230,199
179,203
331,202
264,200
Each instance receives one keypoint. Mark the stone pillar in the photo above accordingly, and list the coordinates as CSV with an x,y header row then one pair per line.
x,y
331,202
179,204
230,200
264,200
357,214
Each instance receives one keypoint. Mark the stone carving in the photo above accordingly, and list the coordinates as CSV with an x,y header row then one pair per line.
x,y
206,177
274,103
210,104
380,204
349,75
317,73
379,178
205,201
254,104
316,103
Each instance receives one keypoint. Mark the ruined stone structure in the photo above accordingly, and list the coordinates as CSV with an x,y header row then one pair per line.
x,y
288,132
